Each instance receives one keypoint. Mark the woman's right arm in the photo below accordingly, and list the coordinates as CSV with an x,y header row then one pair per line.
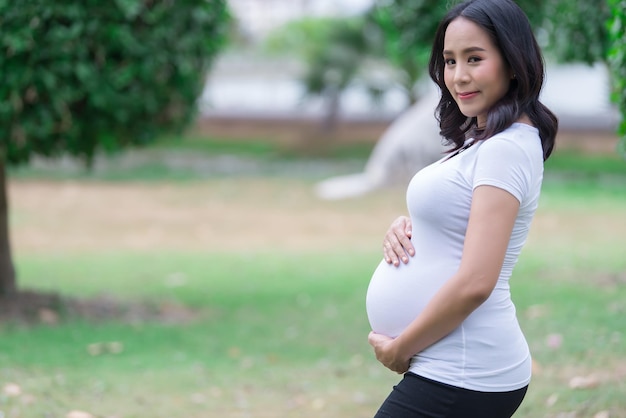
x,y
397,243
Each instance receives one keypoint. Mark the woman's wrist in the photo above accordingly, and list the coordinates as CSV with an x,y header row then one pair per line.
x,y
402,350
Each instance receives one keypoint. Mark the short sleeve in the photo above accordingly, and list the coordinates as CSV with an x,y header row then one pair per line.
x,y
506,163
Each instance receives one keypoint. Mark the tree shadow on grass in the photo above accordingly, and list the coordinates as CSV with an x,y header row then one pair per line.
x,y
42,308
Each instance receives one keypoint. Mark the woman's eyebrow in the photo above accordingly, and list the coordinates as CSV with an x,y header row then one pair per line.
x,y
466,50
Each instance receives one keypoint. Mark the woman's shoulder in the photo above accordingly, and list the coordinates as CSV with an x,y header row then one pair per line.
x,y
520,129
520,133
518,139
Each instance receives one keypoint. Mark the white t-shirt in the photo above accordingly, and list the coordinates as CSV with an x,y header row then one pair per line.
x,y
488,351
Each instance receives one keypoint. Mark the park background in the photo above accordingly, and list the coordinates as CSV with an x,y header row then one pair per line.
x,y
202,276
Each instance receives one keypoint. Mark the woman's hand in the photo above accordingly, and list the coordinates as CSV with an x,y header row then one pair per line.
x,y
387,353
397,243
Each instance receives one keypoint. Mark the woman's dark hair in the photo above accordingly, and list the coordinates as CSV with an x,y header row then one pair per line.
x,y
509,29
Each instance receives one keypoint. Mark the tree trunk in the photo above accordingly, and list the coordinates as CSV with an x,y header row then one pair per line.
x,y
8,285
329,124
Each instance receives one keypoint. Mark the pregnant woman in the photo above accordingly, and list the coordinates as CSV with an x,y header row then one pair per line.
x,y
439,304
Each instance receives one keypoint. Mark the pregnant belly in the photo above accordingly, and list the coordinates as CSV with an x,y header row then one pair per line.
x,y
396,295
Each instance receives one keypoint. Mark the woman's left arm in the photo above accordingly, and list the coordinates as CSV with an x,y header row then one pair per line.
x,y
491,221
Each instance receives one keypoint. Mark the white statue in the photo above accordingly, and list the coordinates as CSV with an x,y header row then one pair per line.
x,y
411,142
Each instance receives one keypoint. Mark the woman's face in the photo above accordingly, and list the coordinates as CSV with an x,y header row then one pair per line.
x,y
475,72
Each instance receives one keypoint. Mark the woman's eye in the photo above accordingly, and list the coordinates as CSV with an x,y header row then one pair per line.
x,y
474,59
449,61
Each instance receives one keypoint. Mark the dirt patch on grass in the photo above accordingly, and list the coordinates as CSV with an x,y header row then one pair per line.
x,y
215,215
240,214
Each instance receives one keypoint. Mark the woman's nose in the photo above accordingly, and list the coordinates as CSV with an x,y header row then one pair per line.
x,y
460,74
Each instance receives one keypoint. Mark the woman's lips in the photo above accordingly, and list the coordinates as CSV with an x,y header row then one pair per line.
x,y
468,95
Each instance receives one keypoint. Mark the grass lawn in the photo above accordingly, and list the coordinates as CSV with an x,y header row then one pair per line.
x,y
262,287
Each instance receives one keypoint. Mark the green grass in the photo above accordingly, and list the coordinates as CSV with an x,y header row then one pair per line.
x,y
283,334
272,322
266,317
258,148
579,164
263,148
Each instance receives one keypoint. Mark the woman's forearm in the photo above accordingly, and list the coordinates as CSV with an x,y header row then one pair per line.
x,y
450,306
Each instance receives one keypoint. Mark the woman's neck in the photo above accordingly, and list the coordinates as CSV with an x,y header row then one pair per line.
x,y
525,120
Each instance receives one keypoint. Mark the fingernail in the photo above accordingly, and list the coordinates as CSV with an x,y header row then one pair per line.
x,y
406,260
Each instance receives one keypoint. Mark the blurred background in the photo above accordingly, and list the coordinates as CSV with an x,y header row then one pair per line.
x,y
286,56
261,74
317,73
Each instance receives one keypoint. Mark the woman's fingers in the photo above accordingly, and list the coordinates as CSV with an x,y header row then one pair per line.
x,y
394,251
397,246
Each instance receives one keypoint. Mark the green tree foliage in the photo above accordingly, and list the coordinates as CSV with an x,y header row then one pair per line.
x,y
334,52
302,37
89,75
575,30
79,77
408,28
617,61
331,70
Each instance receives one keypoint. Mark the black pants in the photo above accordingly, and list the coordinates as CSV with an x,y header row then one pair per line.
x,y
418,397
